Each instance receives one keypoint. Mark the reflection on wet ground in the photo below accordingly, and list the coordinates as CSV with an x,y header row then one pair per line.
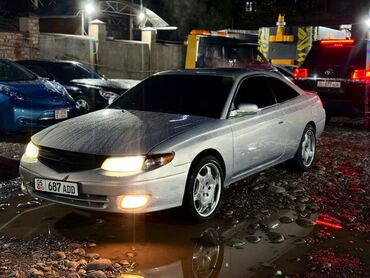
x,y
162,247
275,224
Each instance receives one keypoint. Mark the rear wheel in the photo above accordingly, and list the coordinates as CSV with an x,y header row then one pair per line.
x,y
204,190
305,154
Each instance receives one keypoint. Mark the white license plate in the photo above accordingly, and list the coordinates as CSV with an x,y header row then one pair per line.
x,y
328,84
61,114
58,187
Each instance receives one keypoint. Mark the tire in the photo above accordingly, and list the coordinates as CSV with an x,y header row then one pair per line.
x,y
83,104
305,154
204,189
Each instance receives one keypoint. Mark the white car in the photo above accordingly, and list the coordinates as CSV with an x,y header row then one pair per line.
x,y
176,139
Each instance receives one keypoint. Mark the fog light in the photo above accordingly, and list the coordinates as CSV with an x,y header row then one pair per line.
x,y
134,201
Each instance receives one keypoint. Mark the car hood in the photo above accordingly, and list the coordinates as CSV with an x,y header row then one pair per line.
x,y
116,132
34,88
116,85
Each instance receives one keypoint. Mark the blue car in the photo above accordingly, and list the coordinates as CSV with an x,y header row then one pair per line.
x,y
28,102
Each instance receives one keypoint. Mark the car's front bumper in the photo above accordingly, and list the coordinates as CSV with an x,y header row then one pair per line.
x,y
17,116
98,191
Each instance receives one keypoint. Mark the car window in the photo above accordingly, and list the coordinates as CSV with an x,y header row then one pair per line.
x,y
10,71
200,95
65,72
82,72
343,55
38,69
282,91
255,90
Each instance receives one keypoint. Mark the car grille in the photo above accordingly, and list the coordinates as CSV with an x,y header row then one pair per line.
x,y
64,161
82,200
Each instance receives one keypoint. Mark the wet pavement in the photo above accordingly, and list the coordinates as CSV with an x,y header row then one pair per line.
x,y
274,224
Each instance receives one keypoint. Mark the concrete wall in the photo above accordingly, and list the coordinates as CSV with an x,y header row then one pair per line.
x,y
23,44
67,47
114,58
124,59
167,57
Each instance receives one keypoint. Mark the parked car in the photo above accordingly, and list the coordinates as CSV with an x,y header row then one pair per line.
x,y
177,138
90,90
336,70
28,102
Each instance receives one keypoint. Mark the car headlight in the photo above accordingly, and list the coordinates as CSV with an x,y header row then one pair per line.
x,y
62,90
108,95
136,163
14,94
32,151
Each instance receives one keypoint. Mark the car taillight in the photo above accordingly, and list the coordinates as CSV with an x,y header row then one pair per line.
x,y
361,75
300,73
336,43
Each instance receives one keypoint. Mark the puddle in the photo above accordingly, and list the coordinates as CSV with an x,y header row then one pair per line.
x,y
161,247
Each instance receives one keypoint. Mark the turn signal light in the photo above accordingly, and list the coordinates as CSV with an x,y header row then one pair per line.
x,y
361,75
300,73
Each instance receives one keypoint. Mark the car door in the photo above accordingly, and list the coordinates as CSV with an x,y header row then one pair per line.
x,y
288,99
257,138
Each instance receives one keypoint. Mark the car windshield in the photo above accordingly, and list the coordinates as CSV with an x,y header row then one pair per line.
x,y
65,72
10,71
200,95
341,56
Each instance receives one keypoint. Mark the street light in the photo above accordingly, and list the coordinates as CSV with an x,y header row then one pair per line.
x,y
141,16
368,22
87,10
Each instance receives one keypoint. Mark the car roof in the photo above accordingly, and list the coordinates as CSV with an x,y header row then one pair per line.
x,y
232,72
49,61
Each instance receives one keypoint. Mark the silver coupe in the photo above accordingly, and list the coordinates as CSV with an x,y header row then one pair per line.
x,y
176,139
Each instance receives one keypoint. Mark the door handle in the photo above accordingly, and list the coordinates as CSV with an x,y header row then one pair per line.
x,y
280,122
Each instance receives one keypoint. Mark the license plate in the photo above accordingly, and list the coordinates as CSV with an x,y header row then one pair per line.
x,y
61,114
57,187
328,84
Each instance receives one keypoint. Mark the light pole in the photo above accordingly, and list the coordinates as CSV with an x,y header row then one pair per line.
x,y
87,10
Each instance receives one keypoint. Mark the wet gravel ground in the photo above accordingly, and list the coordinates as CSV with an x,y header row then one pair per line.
x,y
332,199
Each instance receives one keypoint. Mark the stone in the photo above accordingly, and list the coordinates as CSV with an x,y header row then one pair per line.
x,y
79,251
276,189
36,273
58,255
72,265
286,219
253,239
73,275
275,237
100,264
305,222
125,263
81,272
92,256
82,262
131,254
96,274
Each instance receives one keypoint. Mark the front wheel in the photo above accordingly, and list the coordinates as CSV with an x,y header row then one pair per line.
x,y
204,190
83,104
305,154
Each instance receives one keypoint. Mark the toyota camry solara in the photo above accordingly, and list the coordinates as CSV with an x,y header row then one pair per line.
x,y
176,139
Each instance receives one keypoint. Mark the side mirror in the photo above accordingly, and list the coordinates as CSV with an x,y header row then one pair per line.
x,y
244,109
